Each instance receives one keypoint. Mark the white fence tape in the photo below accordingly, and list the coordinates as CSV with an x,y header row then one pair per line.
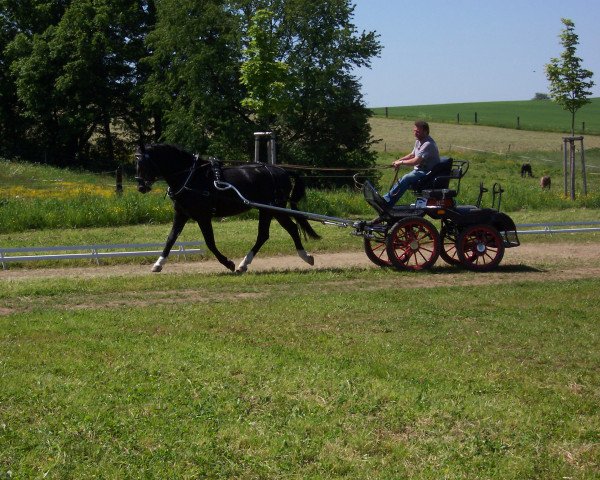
x,y
563,227
95,252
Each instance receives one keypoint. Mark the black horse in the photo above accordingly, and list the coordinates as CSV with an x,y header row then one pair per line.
x,y
194,195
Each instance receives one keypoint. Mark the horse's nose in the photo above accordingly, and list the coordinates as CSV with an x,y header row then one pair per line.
x,y
143,186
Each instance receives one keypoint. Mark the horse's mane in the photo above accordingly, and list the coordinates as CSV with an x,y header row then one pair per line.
x,y
172,148
172,153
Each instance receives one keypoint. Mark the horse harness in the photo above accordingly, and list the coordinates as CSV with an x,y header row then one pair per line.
x,y
215,166
216,171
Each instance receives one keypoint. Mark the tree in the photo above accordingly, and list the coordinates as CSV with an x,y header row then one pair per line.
x,y
20,22
569,82
195,60
541,96
302,55
329,122
265,77
74,67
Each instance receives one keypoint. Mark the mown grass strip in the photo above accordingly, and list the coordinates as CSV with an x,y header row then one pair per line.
x,y
328,382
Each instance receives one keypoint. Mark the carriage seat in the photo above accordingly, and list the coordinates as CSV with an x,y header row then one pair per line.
x,y
438,177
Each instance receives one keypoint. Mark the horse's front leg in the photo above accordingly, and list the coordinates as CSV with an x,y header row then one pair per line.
x,y
264,223
178,223
209,238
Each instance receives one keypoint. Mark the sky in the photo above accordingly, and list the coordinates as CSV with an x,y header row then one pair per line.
x,y
454,51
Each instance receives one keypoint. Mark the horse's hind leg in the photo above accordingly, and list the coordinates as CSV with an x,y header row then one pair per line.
x,y
179,222
264,223
290,226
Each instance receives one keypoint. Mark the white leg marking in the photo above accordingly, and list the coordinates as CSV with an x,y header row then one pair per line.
x,y
306,257
158,266
243,266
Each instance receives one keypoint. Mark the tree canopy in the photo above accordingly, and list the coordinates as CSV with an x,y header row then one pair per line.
x,y
84,80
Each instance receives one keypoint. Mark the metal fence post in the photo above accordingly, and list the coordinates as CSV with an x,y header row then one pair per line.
x,y
271,147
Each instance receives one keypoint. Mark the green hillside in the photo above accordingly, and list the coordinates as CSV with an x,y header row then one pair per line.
x,y
541,115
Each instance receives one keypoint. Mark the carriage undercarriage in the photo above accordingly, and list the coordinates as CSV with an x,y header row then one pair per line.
x,y
401,237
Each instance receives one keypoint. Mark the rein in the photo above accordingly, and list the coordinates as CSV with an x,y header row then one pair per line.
x,y
319,169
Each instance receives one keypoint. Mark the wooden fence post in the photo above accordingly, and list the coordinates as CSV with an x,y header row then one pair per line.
x,y
565,167
119,180
583,175
572,164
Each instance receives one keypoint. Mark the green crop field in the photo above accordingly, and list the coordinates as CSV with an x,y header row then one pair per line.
x,y
542,115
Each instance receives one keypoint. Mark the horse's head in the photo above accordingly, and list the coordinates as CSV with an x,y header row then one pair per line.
x,y
145,174
161,160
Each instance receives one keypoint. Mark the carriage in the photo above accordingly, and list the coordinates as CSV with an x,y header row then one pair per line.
x,y
401,237
470,236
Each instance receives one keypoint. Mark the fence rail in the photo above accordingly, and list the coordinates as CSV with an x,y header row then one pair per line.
x,y
95,252
563,227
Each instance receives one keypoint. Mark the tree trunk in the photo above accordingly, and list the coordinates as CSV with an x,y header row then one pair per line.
x,y
109,141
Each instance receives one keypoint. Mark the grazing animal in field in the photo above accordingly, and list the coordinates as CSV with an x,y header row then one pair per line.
x,y
194,194
526,170
545,182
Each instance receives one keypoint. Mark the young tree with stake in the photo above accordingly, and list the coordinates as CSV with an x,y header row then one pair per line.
x,y
570,84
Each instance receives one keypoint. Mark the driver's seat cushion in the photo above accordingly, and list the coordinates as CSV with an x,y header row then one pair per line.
x,y
438,177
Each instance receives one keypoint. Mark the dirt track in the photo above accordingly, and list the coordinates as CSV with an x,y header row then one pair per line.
x,y
529,262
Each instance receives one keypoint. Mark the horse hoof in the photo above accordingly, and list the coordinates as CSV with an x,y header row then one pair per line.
x,y
241,270
157,268
230,265
310,260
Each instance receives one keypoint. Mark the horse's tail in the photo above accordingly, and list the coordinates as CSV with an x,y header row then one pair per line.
x,y
297,194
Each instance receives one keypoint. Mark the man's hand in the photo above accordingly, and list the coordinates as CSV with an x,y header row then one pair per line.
x,y
396,164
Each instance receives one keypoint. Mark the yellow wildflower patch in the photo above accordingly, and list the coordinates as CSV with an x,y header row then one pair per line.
x,y
65,190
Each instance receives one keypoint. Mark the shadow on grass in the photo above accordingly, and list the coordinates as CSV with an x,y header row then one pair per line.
x,y
441,270
436,270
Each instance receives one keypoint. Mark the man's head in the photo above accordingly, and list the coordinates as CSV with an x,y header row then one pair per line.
x,y
421,129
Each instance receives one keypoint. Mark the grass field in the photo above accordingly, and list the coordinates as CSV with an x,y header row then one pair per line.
x,y
396,136
331,374
539,115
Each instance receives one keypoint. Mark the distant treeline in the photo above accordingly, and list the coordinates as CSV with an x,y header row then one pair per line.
x,y
539,115
83,81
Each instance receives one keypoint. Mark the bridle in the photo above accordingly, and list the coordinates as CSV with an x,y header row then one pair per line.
x,y
143,184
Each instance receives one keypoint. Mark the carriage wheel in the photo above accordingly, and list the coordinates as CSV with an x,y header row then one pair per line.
x,y
375,250
449,252
480,248
413,244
